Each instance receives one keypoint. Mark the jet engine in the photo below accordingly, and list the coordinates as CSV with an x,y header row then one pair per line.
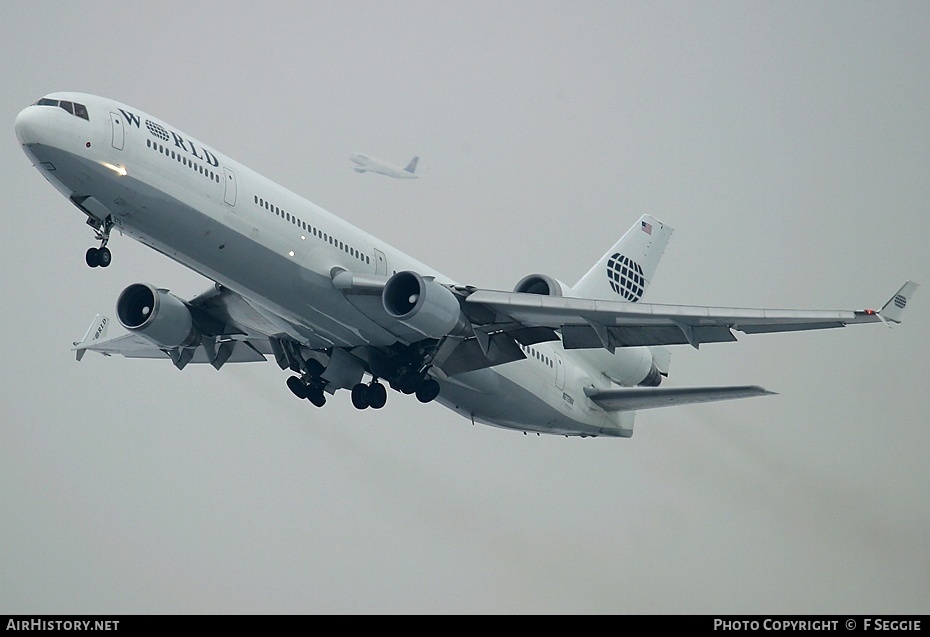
x,y
632,366
156,314
541,284
422,304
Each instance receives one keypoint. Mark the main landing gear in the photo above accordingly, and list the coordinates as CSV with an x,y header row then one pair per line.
x,y
100,257
405,372
425,389
310,391
309,384
373,395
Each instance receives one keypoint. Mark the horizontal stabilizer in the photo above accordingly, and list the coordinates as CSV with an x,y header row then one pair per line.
x,y
635,398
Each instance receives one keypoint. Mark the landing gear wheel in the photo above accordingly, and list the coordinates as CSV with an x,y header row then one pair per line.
x,y
428,391
316,397
377,395
360,396
104,257
92,257
297,387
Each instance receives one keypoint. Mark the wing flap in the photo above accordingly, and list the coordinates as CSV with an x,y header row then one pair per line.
x,y
636,398
585,336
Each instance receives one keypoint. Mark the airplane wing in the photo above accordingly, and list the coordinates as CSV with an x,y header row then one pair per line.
x,y
636,398
590,323
135,346
231,331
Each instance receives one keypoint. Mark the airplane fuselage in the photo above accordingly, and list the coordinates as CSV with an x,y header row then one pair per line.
x,y
280,252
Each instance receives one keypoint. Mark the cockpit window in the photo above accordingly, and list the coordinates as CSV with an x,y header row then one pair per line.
x,y
72,107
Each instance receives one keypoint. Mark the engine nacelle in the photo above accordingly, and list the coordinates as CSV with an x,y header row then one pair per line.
x,y
156,314
626,366
422,304
541,284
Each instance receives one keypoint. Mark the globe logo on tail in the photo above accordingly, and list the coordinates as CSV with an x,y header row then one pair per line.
x,y
626,277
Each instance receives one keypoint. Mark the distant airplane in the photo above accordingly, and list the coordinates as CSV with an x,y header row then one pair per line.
x,y
336,305
370,164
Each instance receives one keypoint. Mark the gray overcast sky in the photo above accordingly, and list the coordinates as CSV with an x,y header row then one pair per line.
x,y
787,142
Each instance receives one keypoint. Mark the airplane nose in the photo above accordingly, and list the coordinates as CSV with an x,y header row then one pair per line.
x,y
30,125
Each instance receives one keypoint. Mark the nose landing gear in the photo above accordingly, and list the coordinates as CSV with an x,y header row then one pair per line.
x,y
100,257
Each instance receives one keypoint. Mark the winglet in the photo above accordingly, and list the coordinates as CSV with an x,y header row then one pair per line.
x,y
96,331
894,308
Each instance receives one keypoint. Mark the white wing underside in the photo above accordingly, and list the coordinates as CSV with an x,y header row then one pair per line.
x,y
636,398
590,323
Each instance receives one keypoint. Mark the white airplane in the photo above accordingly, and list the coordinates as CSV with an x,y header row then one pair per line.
x,y
336,305
370,164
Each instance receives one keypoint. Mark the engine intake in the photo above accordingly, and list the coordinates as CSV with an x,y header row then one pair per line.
x,y
541,284
422,304
156,314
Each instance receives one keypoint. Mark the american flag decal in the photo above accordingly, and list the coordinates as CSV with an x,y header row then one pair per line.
x,y
647,228
900,301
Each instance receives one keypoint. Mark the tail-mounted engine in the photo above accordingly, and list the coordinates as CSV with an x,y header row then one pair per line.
x,y
541,284
627,367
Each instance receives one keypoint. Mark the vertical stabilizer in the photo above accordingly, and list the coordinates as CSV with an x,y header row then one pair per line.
x,y
412,166
625,271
